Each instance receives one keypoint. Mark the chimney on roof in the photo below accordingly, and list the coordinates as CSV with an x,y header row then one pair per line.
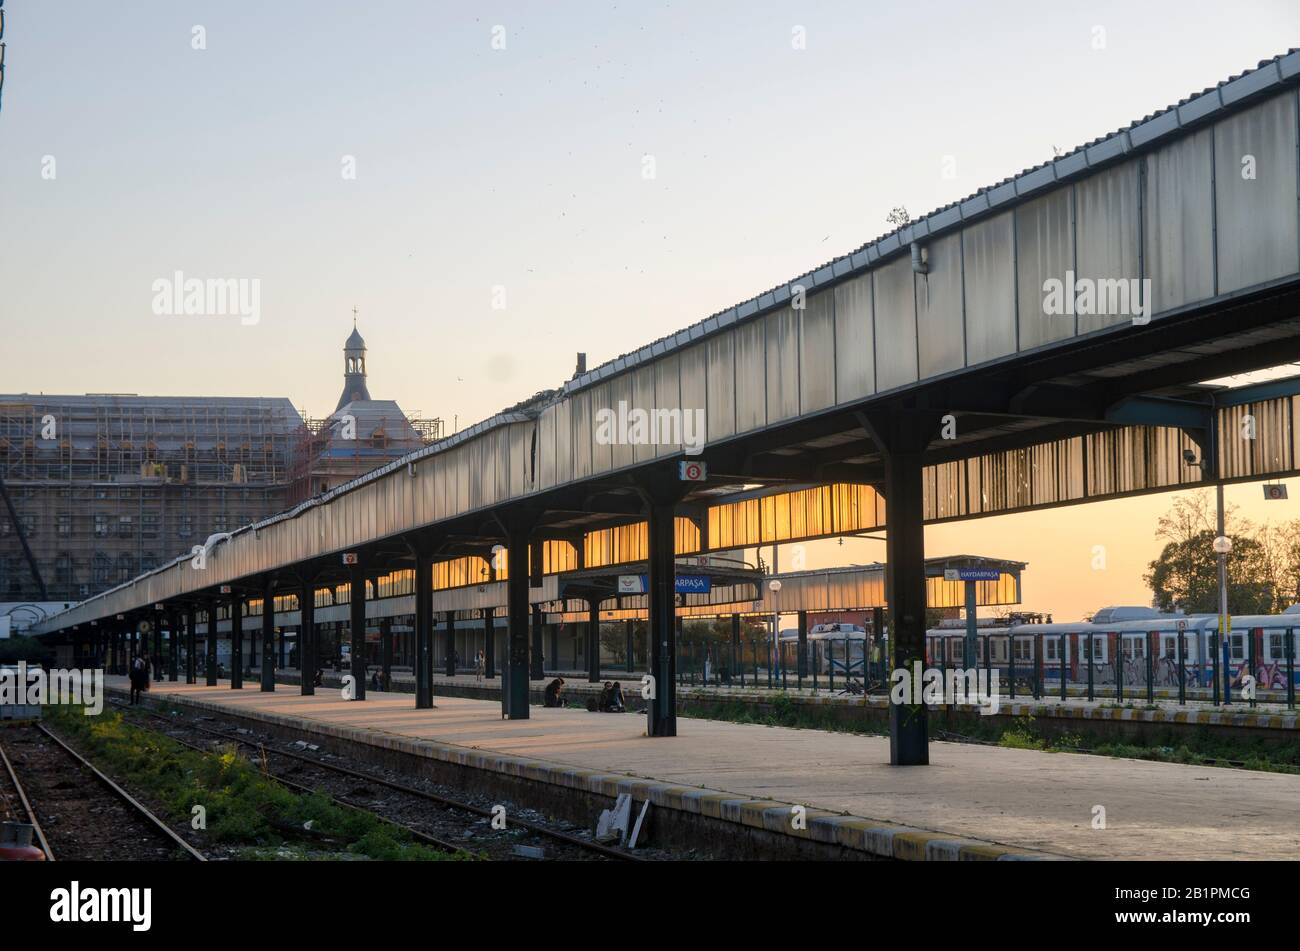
x,y
581,367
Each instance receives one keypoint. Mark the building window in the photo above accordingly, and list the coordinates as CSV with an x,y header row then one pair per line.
x,y
185,526
125,567
125,526
64,525
102,570
63,569
29,525
149,525
102,528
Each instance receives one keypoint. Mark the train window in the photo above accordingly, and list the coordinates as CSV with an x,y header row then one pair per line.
x,y
1134,647
1049,649
1238,642
1024,649
1170,647
1274,647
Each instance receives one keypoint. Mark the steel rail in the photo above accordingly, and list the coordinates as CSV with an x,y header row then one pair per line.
x,y
189,850
27,807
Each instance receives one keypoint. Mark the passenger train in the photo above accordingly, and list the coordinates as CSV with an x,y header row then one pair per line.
x,y
1129,644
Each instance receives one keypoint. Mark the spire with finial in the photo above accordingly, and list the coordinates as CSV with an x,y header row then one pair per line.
x,y
354,367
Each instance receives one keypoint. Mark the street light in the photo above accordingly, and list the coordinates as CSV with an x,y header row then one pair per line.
x,y
775,587
1222,546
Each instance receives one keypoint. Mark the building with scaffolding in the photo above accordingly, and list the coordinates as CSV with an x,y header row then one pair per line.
x,y
96,489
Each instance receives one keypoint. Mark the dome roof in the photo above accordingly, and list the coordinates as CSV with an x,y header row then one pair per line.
x,y
354,342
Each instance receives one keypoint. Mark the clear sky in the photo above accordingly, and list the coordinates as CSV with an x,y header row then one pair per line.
x,y
479,169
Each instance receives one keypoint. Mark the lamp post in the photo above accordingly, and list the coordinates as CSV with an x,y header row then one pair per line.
x,y
1222,546
775,587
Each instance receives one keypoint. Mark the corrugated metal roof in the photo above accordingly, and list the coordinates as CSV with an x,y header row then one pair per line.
x,y
1140,135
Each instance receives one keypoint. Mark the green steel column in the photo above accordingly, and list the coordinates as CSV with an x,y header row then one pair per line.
x,y
210,644
268,636
537,660
307,648
449,645
514,692
661,629
423,631
386,645
593,641
191,644
236,642
357,619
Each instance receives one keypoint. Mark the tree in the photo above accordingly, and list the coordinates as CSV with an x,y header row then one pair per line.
x,y
1186,576
29,649
898,217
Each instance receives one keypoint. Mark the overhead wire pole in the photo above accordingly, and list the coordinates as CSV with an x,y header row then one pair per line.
x,y
2,52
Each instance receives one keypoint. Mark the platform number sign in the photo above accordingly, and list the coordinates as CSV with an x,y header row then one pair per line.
x,y
349,558
692,471
1275,492
225,589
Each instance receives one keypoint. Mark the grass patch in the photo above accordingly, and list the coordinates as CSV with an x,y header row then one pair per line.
x,y
243,807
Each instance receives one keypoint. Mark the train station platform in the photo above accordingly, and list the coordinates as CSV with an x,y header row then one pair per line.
x,y
1076,714
971,802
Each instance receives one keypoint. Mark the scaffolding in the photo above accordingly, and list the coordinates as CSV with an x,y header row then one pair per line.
x,y
108,485
324,459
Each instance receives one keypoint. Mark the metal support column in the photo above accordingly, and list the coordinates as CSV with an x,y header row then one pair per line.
x,y
514,692
449,646
423,631
307,650
629,646
902,439
386,648
210,645
661,631
537,664
972,623
737,662
268,636
173,645
801,662
191,644
236,642
357,624
489,644
593,641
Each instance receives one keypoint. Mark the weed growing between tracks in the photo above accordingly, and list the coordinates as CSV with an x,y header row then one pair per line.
x,y
1200,748
244,808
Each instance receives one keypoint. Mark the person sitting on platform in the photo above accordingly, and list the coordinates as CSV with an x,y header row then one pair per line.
x,y
616,701
551,698
319,679
374,681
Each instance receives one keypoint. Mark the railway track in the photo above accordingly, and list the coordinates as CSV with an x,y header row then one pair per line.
x,y
16,807
331,776
80,812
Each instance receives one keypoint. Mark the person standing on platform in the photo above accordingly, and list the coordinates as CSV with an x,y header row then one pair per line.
x,y
139,677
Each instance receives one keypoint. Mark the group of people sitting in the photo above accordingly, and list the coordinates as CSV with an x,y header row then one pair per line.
x,y
610,699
